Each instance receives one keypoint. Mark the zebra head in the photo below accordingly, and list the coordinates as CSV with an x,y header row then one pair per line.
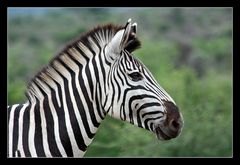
x,y
133,94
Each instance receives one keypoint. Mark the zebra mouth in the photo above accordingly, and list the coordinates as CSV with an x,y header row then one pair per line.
x,y
161,135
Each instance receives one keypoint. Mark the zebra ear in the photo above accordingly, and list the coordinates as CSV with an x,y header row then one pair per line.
x,y
125,35
133,43
120,39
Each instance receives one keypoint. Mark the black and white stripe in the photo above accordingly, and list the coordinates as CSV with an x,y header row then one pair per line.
x,y
93,76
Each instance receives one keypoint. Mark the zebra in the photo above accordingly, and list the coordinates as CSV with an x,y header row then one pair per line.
x,y
93,76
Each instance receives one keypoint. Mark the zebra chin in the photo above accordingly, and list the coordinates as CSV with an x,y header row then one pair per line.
x,y
165,134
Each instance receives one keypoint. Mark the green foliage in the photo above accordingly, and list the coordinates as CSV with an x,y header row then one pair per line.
x,y
15,92
190,57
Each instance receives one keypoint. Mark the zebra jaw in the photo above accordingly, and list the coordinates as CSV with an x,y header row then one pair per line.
x,y
164,133
161,135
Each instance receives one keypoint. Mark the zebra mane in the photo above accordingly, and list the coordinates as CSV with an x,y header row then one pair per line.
x,y
100,34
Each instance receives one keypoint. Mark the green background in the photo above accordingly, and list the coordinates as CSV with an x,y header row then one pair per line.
x,y
188,50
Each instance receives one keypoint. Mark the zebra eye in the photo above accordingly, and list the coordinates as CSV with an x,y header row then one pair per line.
x,y
135,76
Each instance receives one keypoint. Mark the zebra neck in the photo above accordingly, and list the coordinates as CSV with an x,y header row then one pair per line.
x,y
78,108
71,92
66,112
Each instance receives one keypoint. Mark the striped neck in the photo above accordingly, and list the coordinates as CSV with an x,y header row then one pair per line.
x,y
66,99
66,113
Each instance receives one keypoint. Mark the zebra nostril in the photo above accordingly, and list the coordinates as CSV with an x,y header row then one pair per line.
x,y
175,124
